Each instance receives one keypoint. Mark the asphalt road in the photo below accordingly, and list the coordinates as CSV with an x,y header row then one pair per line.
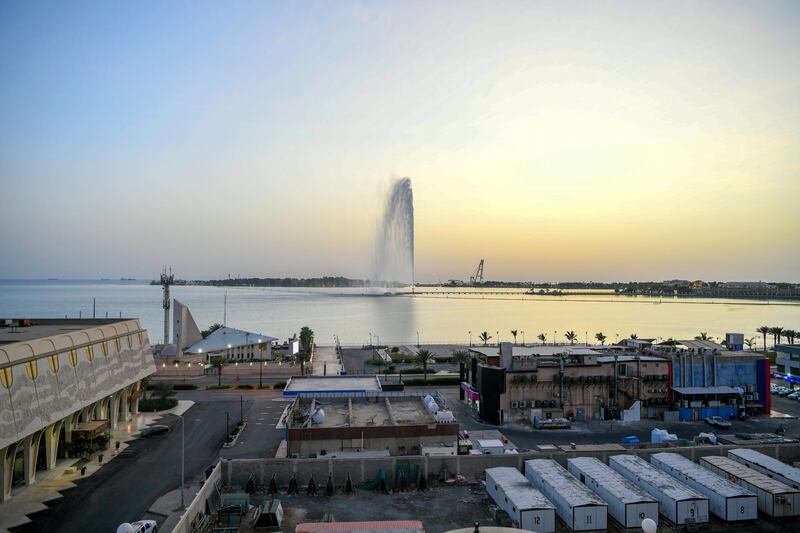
x,y
124,489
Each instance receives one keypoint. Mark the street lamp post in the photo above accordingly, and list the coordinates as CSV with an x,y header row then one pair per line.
x,y
470,338
554,337
183,423
523,337
417,339
498,337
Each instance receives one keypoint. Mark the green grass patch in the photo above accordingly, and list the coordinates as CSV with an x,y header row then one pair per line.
x,y
156,404
397,358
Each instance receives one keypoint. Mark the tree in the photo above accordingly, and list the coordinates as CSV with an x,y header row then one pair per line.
x,y
777,332
634,336
702,337
211,329
790,334
514,334
424,357
461,356
306,339
218,363
764,330
751,342
485,337
164,390
600,337
542,337
571,336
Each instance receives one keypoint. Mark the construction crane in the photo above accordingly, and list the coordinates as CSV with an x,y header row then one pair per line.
x,y
166,281
477,277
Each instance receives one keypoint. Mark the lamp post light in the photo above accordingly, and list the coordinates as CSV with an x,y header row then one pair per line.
x,y
554,337
498,337
470,338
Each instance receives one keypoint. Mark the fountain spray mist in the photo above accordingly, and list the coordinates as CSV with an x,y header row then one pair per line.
x,y
394,247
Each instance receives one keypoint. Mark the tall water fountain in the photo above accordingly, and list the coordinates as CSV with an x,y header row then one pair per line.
x,y
394,247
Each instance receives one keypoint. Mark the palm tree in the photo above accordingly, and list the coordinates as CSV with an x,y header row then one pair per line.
x,y
751,342
211,329
702,337
634,336
461,356
306,338
777,332
790,334
542,337
424,357
218,363
514,334
571,336
600,337
764,330
485,337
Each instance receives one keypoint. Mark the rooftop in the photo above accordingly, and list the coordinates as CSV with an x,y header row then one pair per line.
x,y
573,491
751,476
720,389
360,412
331,384
766,462
47,327
225,338
654,477
606,477
702,476
517,488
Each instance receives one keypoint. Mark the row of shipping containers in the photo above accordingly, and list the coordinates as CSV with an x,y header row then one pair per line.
x,y
630,489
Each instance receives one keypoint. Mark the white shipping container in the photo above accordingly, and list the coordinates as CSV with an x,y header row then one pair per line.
x,y
774,498
528,508
727,500
677,502
579,508
767,465
627,504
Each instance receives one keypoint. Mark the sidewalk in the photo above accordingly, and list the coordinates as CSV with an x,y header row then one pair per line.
x,y
49,483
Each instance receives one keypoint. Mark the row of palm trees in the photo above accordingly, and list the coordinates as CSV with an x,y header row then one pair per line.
x,y
778,333
571,336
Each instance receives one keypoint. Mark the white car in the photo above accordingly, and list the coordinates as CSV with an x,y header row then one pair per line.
x,y
141,526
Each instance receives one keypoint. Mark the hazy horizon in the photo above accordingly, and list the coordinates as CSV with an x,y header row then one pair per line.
x,y
615,141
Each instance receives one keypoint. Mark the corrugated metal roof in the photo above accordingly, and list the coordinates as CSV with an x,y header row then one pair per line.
x,y
518,489
382,525
620,487
743,472
224,338
765,461
655,477
573,491
702,476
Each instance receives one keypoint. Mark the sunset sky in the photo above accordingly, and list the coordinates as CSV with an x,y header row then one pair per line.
x,y
557,140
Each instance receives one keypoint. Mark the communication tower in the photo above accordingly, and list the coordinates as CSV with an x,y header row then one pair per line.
x,y
166,281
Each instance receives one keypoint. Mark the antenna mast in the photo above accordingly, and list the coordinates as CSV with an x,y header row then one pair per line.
x,y
166,281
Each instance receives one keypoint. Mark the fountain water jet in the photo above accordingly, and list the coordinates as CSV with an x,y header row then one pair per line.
x,y
394,247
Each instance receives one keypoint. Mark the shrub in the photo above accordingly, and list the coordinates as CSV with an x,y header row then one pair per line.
x,y
401,358
184,386
375,361
395,349
279,385
415,370
244,386
157,404
443,359
218,387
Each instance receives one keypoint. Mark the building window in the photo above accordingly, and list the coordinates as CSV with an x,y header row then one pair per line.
x,y
53,361
73,358
32,369
6,377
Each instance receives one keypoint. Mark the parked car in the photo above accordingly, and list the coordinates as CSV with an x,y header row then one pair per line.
x,y
793,396
152,431
718,422
785,391
140,526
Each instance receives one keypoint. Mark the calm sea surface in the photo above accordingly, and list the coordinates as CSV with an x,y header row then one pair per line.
x,y
440,318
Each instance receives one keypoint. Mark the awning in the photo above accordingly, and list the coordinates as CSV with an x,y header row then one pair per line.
x,y
699,391
89,430
471,394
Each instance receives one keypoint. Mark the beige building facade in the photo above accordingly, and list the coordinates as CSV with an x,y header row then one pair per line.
x,y
61,378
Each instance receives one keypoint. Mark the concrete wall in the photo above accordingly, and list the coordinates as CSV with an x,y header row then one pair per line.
x,y
197,508
235,472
